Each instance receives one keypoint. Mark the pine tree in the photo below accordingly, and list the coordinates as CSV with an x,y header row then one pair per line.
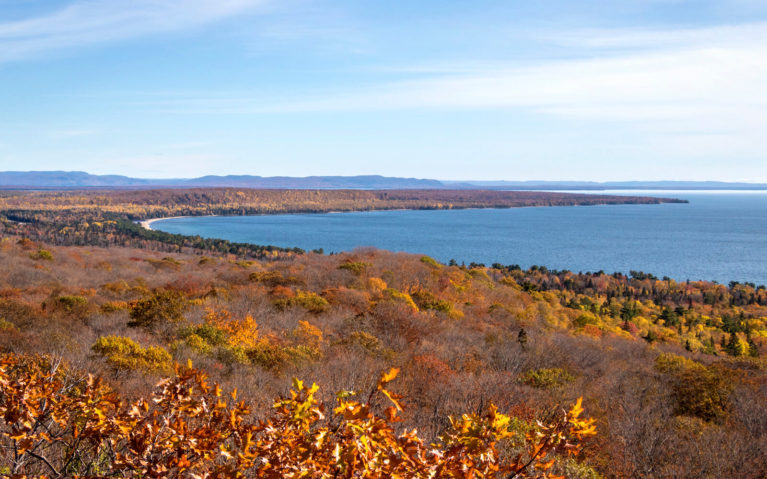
x,y
732,345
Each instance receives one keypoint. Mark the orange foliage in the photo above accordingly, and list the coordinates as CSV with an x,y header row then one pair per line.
x,y
242,333
60,426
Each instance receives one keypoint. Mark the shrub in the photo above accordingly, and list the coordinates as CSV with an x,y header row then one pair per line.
x,y
206,260
167,262
113,306
267,355
430,261
302,353
189,428
585,319
274,278
308,300
478,273
72,304
356,268
198,343
71,301
232,355
243,333
163,306
377,284
547,378
26,243
400,297
119,286
306,333
207,332
42,254
698,390
6,325
426,300
124,353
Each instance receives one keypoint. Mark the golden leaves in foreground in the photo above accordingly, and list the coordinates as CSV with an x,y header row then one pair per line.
x,y
56,424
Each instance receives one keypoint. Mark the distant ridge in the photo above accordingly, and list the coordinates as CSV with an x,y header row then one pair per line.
x,y
82,180
606,185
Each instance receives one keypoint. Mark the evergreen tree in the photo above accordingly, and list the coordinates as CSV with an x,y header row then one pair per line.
x,y
732,345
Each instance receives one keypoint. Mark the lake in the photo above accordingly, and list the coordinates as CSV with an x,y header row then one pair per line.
x,y
719,236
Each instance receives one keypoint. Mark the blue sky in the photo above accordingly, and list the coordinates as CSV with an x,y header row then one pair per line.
x,y
480,90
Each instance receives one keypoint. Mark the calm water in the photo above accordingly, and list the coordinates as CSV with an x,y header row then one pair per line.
x,y
719,236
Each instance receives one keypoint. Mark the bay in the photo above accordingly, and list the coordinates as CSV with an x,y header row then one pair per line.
x,y
718,235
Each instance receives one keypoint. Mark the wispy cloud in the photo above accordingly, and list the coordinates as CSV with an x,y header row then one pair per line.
x,y
703,94
92,22
717,74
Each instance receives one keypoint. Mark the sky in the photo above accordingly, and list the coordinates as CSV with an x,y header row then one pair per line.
x,y
451,90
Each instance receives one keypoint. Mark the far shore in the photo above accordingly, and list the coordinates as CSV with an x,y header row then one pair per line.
x,y
147,224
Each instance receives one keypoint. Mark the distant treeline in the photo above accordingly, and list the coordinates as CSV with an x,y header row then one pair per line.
x,y
228,201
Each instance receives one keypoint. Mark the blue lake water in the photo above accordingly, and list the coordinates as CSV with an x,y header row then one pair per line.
x,y
720,236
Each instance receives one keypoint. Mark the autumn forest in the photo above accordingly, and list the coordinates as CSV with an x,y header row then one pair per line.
x,y
126,352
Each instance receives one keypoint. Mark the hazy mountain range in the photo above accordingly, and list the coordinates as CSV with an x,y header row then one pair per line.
x,y
80,179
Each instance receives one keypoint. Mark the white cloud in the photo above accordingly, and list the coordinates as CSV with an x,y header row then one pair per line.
x,y
721,77
703,95
711,87
91,22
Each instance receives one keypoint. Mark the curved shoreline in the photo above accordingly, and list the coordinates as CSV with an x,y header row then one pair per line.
x,y
147,224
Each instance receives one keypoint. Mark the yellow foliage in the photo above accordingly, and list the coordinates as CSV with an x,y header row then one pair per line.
x,y
124,353
197,343
308,300
400,297
242,333
114,306
376,284
308,334
189,428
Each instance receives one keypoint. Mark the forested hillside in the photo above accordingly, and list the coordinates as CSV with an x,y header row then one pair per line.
x,y
108,218
673,374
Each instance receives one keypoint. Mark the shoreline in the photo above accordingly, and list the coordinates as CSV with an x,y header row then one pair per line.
x,y
147,224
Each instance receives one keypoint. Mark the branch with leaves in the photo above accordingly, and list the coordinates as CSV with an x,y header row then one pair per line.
x,y
57,425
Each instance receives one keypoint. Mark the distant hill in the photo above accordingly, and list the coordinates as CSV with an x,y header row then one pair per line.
x,y
80,179
607,185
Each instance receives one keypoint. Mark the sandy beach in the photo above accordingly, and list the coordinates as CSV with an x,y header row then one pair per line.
x,y
148,223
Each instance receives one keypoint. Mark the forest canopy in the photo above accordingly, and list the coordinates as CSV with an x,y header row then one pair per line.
x,y
509,371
